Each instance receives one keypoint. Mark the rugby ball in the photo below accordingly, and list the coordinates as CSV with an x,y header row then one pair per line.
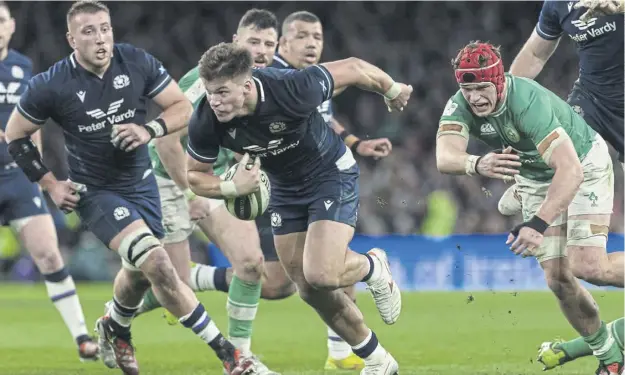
x,y
248,207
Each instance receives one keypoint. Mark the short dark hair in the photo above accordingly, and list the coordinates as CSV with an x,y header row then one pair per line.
x,y
261,19
85,6
225,60
301,15
455,62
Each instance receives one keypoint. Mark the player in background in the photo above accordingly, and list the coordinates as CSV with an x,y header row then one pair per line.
x,y
22,205
562,168
97,95
182,209
301,45
314,178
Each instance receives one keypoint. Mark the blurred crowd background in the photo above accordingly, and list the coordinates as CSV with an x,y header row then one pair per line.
x,y
413,41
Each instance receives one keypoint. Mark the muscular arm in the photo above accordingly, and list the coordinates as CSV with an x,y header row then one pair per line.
x,y
533,56
451,153
356,72
177,109
19,127
201,179
559,153
173,157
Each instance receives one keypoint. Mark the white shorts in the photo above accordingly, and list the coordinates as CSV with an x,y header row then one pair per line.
x,y
177,223
594,197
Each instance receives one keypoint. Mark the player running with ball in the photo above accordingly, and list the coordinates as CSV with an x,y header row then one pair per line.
x,y
562,169
314,177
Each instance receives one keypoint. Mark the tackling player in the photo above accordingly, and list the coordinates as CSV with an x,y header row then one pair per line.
x,y
97,95
22,205
301,45
314,178
561,166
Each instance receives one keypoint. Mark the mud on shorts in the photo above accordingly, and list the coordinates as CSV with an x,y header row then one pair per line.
x,y
594,197
608,123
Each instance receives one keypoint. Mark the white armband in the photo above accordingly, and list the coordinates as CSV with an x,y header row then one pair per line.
x,y
393,92
228,189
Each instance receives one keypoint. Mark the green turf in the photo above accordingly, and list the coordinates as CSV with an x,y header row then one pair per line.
x,y
438,333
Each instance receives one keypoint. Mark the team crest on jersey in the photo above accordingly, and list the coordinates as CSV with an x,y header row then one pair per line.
x,y
121,81
577,109
450,108
17,72
277,127
512,134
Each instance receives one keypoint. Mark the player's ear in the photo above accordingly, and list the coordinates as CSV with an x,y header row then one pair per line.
x,y
282,41
70,40
234,38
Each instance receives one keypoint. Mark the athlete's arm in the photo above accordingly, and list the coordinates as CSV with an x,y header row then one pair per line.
x,y
533,56
451,153
172,155
177,109
559,153
201,179
356,72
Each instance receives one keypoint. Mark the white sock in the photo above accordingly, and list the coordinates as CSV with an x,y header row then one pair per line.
x,y
62,292
337,347
121,314
198,318
377,269
370,345
244,344
202,277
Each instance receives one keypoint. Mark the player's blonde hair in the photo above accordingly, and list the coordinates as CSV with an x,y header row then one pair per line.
x,y
225,60
85,6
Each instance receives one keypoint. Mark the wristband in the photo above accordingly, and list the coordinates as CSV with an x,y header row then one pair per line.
x,y
470,165
157,128
228,189
536,223
189,194
354,145
393,92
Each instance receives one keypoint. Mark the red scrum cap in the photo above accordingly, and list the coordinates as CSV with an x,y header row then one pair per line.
x,y
480,62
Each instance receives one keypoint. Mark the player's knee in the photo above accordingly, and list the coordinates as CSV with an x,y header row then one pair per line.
x,y
320,279
160,271
560,280
278,289
249,267
137,246
47,260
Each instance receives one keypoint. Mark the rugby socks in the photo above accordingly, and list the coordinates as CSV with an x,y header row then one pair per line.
x,y
578,348
62,292
370,274
337,348
370,349
242,305
149,303
205,277
604,345
203,326
120,318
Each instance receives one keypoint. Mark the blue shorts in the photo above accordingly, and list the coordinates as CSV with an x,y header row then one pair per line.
x,y
332,197
608,123
19,198
107,213
263,223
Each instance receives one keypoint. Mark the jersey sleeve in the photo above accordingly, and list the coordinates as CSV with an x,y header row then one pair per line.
x,y
306,89
548,26
455,119
538,121
37,102
156,76
203,140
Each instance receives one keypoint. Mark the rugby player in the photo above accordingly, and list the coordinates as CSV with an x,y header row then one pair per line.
x,y
22,205
97,95
562,169
314,178
301,46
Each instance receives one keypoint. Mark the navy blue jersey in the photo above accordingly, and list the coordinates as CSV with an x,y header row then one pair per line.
x,y
599,47
325,108
15,71
286,130
87,106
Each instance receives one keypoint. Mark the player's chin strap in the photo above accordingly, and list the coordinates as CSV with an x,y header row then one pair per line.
x,y
536,223
28,158
157,128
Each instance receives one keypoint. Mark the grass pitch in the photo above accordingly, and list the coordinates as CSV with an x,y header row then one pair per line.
x,y
486,333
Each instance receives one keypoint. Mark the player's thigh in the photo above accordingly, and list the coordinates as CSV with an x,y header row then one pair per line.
x,y
237,239
607,123
177,224
290,249
532,195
